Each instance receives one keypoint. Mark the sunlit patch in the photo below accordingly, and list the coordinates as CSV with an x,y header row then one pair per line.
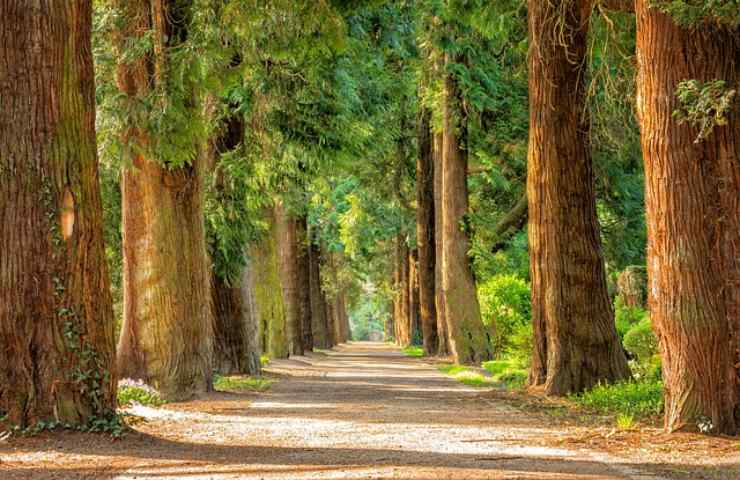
x,y
68,214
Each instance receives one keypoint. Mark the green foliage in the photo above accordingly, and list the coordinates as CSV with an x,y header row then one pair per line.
x,y
512,372
130,392
692,13
505,302
413,351
704,105
627,317
641,341
466,375
625,421
241,383
636,399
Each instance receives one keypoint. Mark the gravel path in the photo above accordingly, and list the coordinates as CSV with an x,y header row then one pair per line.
x,y
362,410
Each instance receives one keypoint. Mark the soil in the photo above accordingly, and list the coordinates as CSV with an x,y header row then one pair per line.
x,y
366,411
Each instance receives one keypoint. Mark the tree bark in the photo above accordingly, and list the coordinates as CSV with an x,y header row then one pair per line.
x,y
402,318
268,291
56,315
318,307
303,268
469,339
288,254
575,340
167,332
425,234
415,334
443,347
693,216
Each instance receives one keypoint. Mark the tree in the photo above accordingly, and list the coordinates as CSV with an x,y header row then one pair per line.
x,y
289,278
692,200
575,340
166,337
469,341
56,317
425,234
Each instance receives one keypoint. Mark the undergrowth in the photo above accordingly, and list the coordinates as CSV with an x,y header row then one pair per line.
x,y
241,383
637,400
414,351
466,375
130,392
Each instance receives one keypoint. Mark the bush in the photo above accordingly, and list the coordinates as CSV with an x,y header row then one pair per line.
x,y
513,372
414,351
627,317
641,342
132,391
636,399
505,303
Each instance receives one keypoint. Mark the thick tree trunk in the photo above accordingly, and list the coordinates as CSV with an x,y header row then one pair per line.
x,y
268,292
425,234
56,316
575,339
288,253
318,307
303,268
693,216
167,332
327,267
402,310
415,334
469,339
439,298
235,323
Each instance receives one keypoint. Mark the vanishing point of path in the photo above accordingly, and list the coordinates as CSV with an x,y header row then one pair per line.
x,y
360,411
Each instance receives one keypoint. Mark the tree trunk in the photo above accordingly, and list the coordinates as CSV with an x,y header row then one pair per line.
x,y
288,254
327,265
303,268
439,298
575,340
235,321
318,308
693,216
402,318
268,292
469,339
425,234
415,335
56,314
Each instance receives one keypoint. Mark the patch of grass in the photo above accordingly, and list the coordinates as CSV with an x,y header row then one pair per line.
x,y
465,375
264,360
414,351
509,372
130,392
241,383
635,399
625,421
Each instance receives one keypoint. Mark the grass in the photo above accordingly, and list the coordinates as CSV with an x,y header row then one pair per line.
x,y
414,351
625,422
241,383
130,392
264,360
634,399
466,375
509,372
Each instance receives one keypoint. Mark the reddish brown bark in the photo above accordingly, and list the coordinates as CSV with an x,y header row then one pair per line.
x,y
289,278
318,302
55,306
415,334
425,234
167,332
402,298
439,298
469,340
693,216
575,339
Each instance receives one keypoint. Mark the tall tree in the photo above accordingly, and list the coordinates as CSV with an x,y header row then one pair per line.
x,y
425,233
692,178
469,340
289,278
303,268
166,337
575,339
56,317
439,297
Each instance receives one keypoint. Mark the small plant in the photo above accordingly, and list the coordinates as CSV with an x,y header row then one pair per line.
x,y
466,376
704,424
264,360
240,383
704,105
414,351
625,421
638,399
132,391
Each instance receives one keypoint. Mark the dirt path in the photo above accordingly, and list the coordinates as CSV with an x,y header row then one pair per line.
x,y
361,411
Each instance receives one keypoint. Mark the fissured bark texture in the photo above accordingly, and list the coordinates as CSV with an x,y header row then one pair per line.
x,y
56,316
575,340
693,216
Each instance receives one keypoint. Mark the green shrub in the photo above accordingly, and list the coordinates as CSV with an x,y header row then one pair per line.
x,y
466,375
241,383
627,317
505,303
641,342
413,351
512,372
637,399
131,391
